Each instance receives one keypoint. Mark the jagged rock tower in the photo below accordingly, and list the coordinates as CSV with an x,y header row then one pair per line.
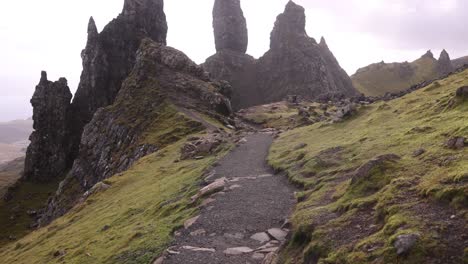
x,y
296,64
108,58
47,155
230,62
444,64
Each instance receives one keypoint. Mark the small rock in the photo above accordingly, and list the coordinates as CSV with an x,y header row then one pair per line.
x,y
261,237
271,258
234,236
456,143
207,202
59,253
235,186
198,249
419,152
214,187
462,92
159,260
277,234
258,256
105,228
198,232
237,251
172,252
190,222
453,216
268,250
300,146
404,243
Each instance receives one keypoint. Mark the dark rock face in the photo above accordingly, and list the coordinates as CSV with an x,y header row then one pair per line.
x,y
230,27
296,64
47,155
162,81
462,93
238,69
110,55
108,58
444,64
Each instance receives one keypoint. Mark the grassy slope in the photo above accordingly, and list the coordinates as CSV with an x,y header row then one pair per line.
x,y
141,209
378,80
340,222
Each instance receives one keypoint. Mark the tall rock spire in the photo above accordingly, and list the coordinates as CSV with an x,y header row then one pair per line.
x,y
289,26
297,65
47,155
230,26
444,64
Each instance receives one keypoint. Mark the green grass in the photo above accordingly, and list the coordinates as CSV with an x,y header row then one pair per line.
x,y
141,209
388,197
378,79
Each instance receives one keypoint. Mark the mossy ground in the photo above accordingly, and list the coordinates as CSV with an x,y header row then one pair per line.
x,y
337,221
132,222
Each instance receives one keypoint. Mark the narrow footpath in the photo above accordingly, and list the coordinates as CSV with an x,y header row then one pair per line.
x,y
243,223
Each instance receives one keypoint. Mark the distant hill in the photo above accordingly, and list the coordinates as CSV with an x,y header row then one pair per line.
x,y
380,78
457,63
9,173
17,130
14,139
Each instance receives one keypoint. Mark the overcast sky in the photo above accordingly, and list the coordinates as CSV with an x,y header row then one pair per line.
x,y
50,34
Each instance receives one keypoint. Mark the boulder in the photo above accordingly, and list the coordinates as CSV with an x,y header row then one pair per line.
x,y
456,143
404,243
462,93
365,170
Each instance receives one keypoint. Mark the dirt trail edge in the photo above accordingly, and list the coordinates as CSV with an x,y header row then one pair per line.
x,y
241,224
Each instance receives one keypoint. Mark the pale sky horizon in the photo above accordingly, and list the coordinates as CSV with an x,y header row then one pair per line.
x,y
50,34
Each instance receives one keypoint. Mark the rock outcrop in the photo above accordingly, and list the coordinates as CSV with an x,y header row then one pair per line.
x,y
296,64
444,64
230,26
47,155
143,119
230,63
108,58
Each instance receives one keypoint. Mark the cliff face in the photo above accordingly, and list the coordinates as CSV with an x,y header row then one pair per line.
x,y
47,155
294,65
144,118
230,63
108,58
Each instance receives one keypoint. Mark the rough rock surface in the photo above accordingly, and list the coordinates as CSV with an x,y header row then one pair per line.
x,y
404,243
296,64
462,93
238,69
444,64
230,27
109,57
163,80
47,155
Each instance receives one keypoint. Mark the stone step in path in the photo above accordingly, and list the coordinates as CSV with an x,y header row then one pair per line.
x,y
243,211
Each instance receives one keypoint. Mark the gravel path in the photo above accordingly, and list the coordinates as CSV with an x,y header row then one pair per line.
x,y
254,201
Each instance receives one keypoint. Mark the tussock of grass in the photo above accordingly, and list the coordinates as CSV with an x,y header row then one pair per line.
x,y
388,197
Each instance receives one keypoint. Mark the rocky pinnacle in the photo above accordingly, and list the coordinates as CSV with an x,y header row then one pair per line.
x,y
47,154
444,64
230,26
